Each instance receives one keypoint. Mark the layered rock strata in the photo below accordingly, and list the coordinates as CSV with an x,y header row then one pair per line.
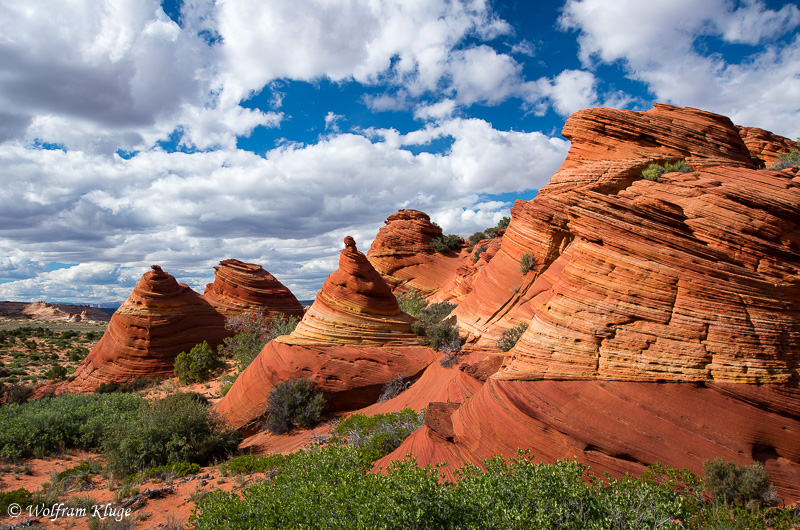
x,y
664,316
402,253
160,319
352,341
240,286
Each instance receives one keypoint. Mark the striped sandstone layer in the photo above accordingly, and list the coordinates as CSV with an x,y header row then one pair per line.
x,y
402,253
160,319
664,317
240,286
352,341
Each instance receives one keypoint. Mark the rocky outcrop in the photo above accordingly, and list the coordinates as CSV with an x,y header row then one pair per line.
x,y
240,286
402,253
160,319
664,317
53,312
765,147
352,341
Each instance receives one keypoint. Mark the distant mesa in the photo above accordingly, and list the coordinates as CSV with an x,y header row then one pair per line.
x,y
352,341
53,312
240,286
160,319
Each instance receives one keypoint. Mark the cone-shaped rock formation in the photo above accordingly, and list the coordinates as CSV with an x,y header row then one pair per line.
x,y
664,316
352,341
402,253
160,319
240,286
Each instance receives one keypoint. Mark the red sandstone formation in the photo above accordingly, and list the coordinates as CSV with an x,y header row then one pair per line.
x,y
160,319
352,341
402,253
664,316
240,286
764,146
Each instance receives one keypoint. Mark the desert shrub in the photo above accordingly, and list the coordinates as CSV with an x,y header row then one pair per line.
x,y
412,302
248,464
180,427
140,383
739,485
21,497
478,251
56,372
654,171
253,330
504,222
436,312
393,388
376,436
49,425
18,393
787,160
294,402
511,336
199,365
476,238
328,488
176,470
444,337
526,263
446,243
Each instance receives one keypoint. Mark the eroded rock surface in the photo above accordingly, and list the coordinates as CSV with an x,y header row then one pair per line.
x,y
352,341
240,286
160,319
664,317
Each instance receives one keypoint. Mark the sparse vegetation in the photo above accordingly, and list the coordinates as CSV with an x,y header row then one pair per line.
x,y
526,263
393,388
180,427
654,171
477,253
511,336
198,365
253,330
738,485
376,436
294,403
787,160
446,243
412,302
504,222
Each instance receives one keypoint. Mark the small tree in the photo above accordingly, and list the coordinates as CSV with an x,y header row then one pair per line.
x,y
446,243
504,222
199,365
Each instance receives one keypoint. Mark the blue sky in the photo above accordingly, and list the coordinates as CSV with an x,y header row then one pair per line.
x,y
183,133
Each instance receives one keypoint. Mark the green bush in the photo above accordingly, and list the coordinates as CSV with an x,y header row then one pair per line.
x,y
294,402
21,497
18,393
477,253
476,238
253,330
56,372
180,427
436,312
52,424
412,302
446,243
328,488
511,336
504,222
526,263
739,485
176,470
200,364
248,464
377,436
654,171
